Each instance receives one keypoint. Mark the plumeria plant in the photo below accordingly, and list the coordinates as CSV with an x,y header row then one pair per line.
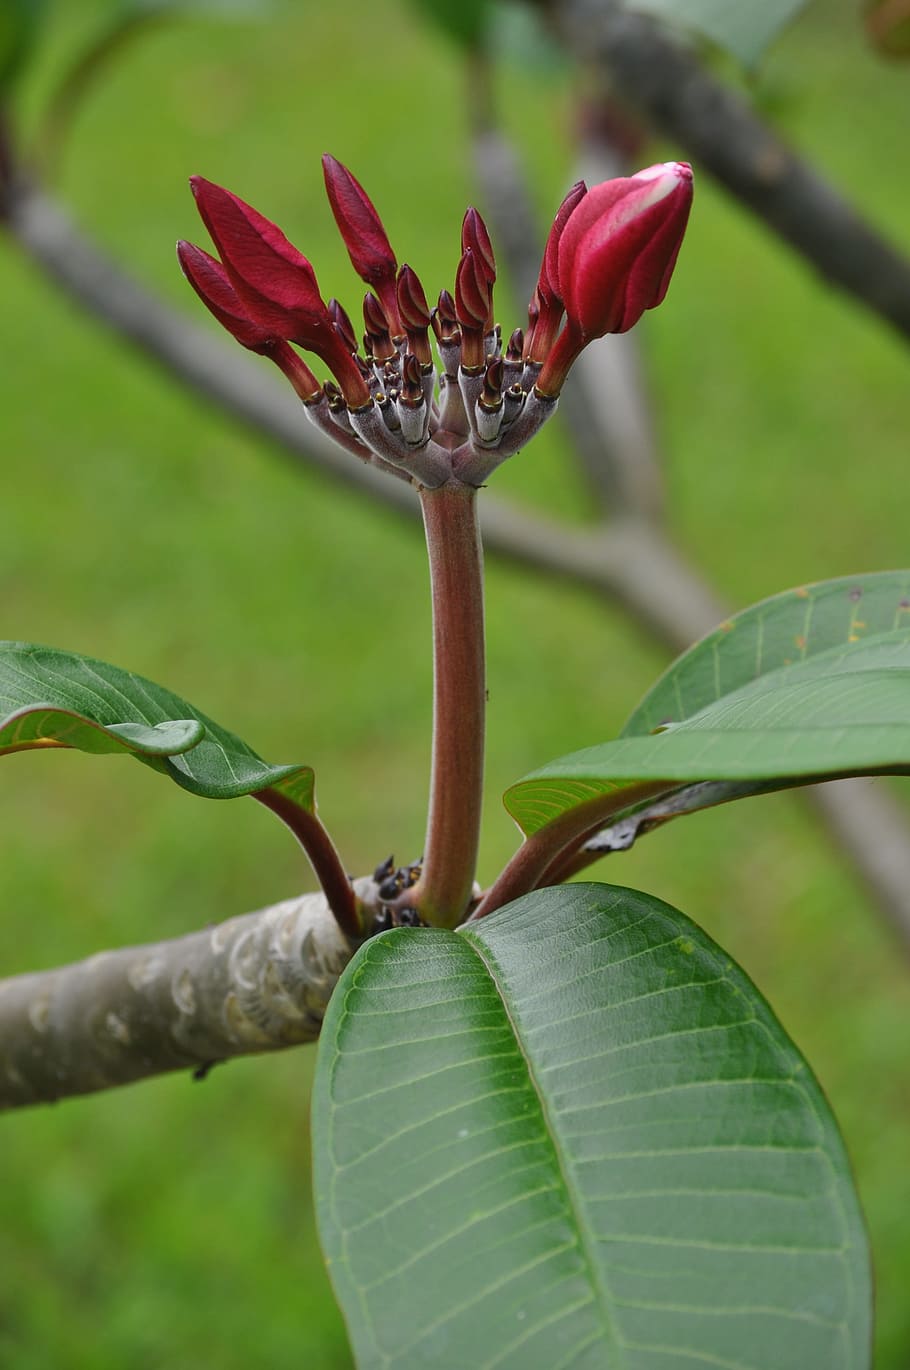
x,y
554,1124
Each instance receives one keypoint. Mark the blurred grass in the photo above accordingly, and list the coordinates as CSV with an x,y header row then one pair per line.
x,y
171,1224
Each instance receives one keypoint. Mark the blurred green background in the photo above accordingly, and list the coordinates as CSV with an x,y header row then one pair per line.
x,y
170,1224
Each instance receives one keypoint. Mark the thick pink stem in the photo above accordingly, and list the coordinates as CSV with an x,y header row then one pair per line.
x,y
544,848
444,890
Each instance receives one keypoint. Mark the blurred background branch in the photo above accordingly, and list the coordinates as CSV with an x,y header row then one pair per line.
x,y
668,85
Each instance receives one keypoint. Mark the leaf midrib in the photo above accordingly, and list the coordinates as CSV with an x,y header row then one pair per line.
x,y
574,1199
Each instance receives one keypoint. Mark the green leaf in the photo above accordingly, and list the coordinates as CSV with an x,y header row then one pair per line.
x,y
743,28
776,632
810,685
574,1134
51,698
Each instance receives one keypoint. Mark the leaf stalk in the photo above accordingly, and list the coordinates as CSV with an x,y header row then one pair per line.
x,y
313,837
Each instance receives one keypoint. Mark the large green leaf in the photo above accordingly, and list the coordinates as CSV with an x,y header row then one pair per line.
x,y
744,28
777,632
574,1134
51,698
810,685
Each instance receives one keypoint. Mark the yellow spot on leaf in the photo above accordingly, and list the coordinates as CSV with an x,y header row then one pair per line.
x,y
801,592
800,642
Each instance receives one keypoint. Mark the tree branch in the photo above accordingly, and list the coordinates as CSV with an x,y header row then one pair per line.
x,y
256,983
666,83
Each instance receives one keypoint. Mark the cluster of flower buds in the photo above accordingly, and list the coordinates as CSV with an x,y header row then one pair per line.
x,y
609,257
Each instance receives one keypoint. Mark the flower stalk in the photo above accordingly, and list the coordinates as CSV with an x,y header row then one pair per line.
x,y
446,885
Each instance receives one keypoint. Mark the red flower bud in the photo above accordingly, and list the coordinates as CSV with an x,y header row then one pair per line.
x,y
364,236
548,280
472,307
547,296
491,395
412,302
442,319
210,281
618,248
474,235
411,380
472,291
381,347
475,238
415,314
374,316
274,283
343,323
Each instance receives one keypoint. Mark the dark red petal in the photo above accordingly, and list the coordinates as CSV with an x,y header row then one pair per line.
x,y
359,224
446,307
591,211
374,316
619,246
474,235
342,322
210,282
649,276
275,283
515,345
548,281
412,302
472,292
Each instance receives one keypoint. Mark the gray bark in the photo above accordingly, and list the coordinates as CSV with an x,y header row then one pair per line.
x,y
255,983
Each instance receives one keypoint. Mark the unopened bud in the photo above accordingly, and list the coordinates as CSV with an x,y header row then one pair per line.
x,y
472,307
411,381
476,239
377,325
415,313
474,235
515,345
364,236
343,324
443,320
491,394
619,247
